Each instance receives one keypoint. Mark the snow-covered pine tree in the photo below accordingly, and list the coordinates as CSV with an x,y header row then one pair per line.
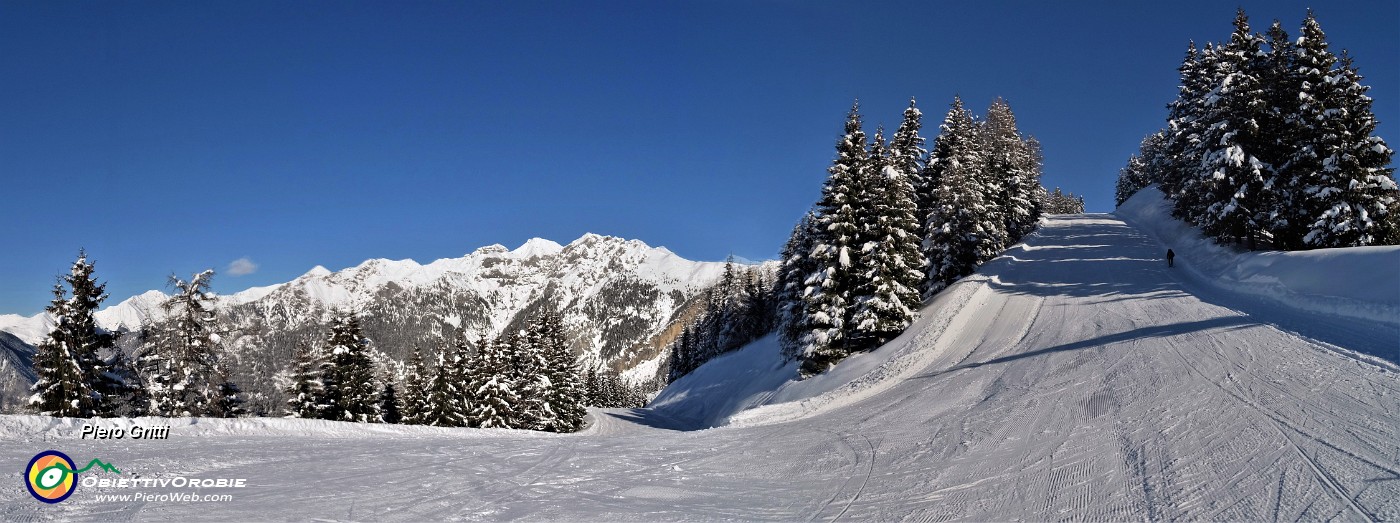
x,y
304,393
730,312
80,370
792,277
228,399
350,385
415,391
180,361
1010,165
389,403
1344,191
957,237
566,394
682,353
61,389
532,382
443,403
886,296
591,393
1237,183
1179,151
760,317
1311,67
834,257
1032,170
907,155
495,401
1000,147
1142,167
1276,132
103,366
1064,203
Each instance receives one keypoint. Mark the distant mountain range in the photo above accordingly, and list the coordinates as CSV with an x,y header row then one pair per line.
x,y
622,302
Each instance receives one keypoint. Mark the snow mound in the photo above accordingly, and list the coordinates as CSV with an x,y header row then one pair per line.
x,y
755,386
1357,282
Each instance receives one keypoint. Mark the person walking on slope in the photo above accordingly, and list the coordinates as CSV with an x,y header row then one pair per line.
x,y
1170,256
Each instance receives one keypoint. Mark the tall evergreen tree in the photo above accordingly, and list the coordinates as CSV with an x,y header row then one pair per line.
x,y
907,154
389,403
1185,125
350,386
791,287
228,399
532,383
415,391
957,236
565,396
835,255
1142,167
80,370
1032,171
1011,168
494,393
1339,167
1064,203
886,296
305,391
682,355
1235,180
180,362
446,399
61,389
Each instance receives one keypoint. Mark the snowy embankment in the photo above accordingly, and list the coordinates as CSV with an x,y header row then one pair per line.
x,y
1356,282
754,385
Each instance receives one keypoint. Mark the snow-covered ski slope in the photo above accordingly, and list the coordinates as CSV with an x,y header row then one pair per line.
x,y
1076,377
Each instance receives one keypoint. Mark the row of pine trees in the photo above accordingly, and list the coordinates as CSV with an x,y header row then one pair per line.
x,y
896,223
526,380
737,310
521,381
1270,140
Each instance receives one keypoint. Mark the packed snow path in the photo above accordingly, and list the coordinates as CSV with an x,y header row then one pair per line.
x,y
1081,379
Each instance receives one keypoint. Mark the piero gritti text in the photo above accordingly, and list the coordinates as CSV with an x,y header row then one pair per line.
x,y
134,432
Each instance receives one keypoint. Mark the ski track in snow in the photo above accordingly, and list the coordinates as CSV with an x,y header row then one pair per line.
x,y
1078,378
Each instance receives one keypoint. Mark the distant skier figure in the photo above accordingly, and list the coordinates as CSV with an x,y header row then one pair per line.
x,y
1170,256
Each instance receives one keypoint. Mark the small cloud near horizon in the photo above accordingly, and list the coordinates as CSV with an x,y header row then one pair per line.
x,y
242,266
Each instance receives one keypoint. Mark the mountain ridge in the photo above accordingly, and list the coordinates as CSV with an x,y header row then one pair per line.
x,y
619,299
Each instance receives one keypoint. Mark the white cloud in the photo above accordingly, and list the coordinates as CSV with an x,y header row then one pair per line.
x,y
241,267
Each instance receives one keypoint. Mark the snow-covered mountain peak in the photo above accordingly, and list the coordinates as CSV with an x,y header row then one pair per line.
x,y
537,247
316,272
589,237
489,250
132,312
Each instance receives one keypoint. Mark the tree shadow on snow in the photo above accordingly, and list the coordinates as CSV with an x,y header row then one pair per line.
x,y
1223,324
652,418
1125,264
1082,265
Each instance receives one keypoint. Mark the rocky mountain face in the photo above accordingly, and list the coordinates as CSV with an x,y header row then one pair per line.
x,y
16,371
620,300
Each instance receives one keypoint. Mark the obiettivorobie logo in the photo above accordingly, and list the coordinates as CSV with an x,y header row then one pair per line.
x,y
52,476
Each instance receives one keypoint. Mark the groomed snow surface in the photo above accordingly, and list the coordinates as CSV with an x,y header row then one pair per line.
x,y
1076,377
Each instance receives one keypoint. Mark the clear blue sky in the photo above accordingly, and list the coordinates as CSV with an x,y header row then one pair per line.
x,y
173,137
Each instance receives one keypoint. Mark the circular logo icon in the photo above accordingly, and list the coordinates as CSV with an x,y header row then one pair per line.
x,y
50,477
